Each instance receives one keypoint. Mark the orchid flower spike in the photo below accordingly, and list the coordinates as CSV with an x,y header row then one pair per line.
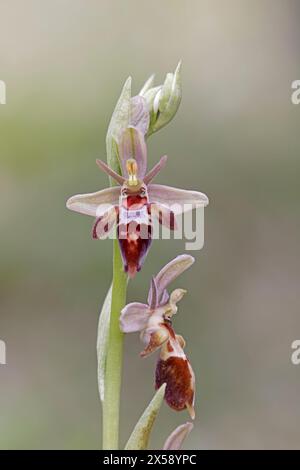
x,y
154,321
133,204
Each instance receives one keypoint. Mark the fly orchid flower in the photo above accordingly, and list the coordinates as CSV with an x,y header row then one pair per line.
x,y
154,320
134,203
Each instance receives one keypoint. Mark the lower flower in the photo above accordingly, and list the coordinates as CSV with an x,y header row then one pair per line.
x,y
154,321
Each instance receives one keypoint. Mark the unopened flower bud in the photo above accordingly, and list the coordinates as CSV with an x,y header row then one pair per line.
x,y
163,101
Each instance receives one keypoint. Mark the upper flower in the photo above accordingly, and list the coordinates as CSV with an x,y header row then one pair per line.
x,y
134,203
154,320
134,178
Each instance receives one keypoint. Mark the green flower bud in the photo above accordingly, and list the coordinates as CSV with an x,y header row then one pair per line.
x,y
163,101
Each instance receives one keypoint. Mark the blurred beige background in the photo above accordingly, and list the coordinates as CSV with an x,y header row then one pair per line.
x,y
236,137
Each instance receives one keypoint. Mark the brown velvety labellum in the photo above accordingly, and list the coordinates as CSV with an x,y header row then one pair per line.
x,y
176,374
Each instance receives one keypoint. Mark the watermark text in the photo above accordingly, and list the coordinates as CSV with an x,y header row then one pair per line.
x,y
175,221
295,96
2,352
2,92
295,357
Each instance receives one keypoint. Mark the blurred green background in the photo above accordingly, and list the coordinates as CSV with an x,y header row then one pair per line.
x,y
235,137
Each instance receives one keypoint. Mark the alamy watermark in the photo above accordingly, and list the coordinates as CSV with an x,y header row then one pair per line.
x,y
295,357
2,92
2,352
295,96
174,221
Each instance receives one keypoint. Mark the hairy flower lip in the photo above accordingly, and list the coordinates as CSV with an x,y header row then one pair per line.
x,y
176,372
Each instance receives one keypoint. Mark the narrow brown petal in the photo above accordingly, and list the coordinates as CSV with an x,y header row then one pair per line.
x,y
118,178
156,169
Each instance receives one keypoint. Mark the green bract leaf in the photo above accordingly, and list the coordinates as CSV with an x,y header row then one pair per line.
x,y
140,435
119,120
102,341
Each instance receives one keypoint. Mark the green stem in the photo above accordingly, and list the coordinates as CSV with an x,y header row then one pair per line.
x,y
114,352
114,360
